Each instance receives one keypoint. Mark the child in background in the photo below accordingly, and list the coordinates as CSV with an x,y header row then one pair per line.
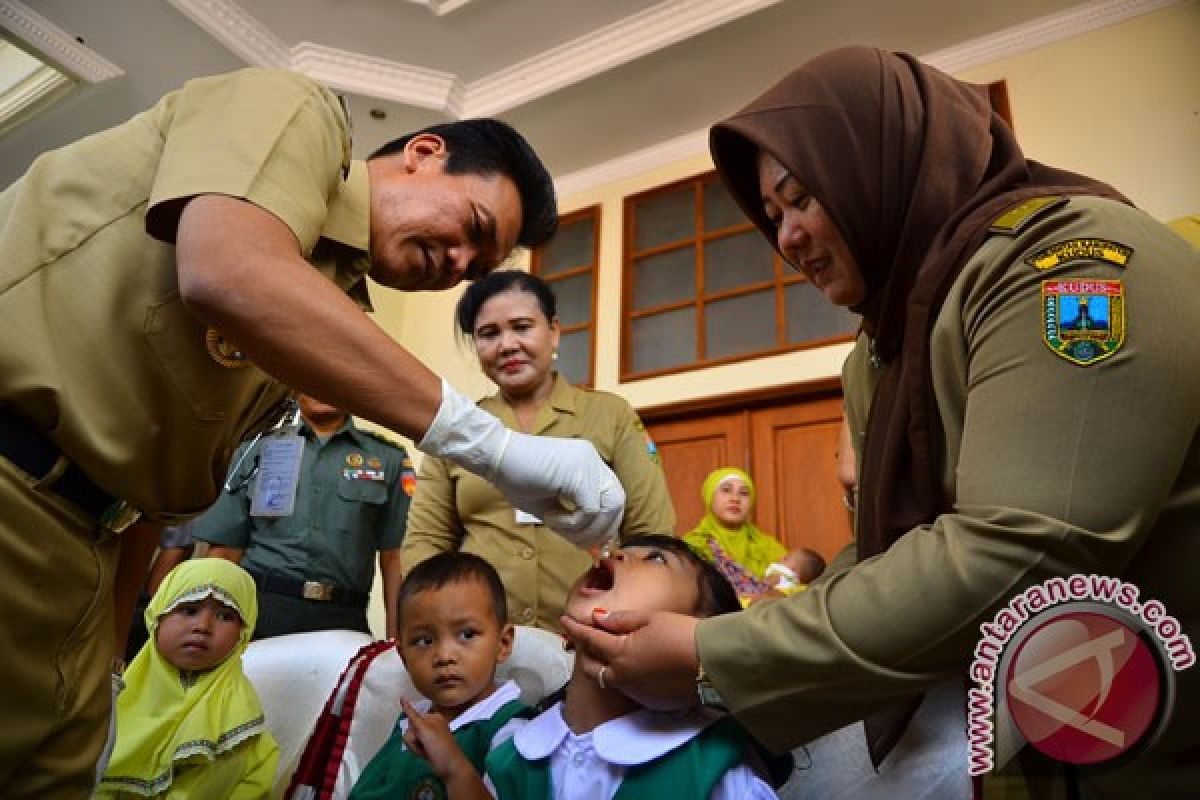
x,y
727,538
451,614
189,724
598,743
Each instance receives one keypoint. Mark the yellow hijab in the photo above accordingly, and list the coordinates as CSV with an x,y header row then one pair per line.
x,y
166,718
747,545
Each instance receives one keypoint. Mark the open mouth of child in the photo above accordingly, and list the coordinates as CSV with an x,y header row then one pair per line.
x,y
600,578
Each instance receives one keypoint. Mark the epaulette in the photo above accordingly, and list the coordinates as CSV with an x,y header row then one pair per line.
x,y
374,434
1015,219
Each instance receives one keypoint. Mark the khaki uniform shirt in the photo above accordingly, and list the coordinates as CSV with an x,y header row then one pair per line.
x,y
96,347
454,509
351,502
1051,468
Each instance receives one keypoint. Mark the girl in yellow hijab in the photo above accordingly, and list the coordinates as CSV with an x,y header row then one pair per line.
x,y
189,724
728,538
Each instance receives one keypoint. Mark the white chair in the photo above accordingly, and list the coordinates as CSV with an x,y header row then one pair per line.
x,y
295,676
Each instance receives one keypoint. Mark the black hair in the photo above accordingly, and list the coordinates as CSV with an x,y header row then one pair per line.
x,y
716,593
502,280
491,147
453,567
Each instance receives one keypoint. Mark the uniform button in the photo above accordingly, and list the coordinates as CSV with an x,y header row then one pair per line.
x,y
527,553
527,614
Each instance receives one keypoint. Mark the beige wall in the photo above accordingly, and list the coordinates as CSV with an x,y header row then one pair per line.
x,y
1121,103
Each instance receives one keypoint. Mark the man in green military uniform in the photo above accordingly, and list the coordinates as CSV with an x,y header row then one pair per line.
x,y
161,286
314,567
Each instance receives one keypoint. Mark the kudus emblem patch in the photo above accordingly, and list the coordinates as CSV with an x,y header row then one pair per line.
x,y
1083,320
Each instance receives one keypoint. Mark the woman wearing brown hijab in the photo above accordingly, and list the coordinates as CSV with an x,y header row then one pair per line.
x,y
1030,368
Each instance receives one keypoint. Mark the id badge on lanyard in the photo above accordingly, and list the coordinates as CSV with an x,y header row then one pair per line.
x,y
278,469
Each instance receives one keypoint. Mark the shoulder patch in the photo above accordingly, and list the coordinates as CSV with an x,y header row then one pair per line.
x,y
1017,218
1083,321
1074,250
651,448
408,476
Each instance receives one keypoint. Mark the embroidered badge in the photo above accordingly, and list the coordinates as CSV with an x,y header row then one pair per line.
x,y
1083,320
651,448
1073,250
427,789
223,351
408,481
354,460
374,463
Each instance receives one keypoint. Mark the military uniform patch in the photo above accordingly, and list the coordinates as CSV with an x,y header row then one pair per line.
x,y
1083,321
354,460
1073,250
427,789
408,477
223,351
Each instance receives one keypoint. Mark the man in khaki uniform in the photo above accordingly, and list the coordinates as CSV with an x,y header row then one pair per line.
x,y
453,509
162,282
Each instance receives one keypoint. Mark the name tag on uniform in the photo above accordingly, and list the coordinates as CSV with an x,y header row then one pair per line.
x,y
278,474
525,518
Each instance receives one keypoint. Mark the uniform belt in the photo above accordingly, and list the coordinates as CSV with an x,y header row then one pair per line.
x,y
32,451
309,590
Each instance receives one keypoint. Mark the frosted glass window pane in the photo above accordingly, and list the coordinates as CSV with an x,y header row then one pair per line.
x,y
575,357
810,316
737,261
571,247
739,325
668,277
664,340
574,299
720,210
664,218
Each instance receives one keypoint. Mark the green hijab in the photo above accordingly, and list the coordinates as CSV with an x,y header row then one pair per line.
x,y
167,719
747,545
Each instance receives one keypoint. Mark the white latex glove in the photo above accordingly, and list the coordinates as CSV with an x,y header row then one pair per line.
x,y
562,481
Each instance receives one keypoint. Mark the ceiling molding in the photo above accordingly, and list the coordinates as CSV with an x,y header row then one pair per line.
x,y
660,26
234,27
972,53
441,7
378,77
1036,33
55,44
606,48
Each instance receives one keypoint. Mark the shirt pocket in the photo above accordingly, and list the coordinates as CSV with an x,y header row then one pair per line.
x,y
362,504
177,341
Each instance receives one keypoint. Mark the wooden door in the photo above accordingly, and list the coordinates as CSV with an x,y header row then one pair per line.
x,y
788,447
690,449
795,470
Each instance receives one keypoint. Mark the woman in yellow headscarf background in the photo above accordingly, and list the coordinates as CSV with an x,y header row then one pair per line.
x,y
189,723
756,563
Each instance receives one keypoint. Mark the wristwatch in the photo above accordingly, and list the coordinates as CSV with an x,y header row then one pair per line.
x,y
710,696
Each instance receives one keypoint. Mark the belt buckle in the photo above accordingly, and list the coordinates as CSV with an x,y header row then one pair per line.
x,y
118,517
314,590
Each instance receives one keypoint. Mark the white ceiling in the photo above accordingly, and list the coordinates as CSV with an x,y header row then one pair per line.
x,y
587,81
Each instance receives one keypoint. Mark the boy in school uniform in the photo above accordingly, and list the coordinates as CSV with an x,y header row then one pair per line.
x,y
451,616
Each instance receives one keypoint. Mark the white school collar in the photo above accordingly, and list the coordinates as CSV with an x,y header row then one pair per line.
x,y
484,709
627,741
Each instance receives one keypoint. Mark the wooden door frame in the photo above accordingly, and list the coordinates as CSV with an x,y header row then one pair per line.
x,y
748,400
